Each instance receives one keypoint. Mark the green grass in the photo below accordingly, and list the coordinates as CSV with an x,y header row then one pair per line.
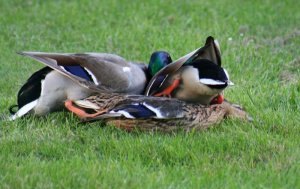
x,y
262,59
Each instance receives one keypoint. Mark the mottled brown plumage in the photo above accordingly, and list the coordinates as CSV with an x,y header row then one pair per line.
x,y
171,114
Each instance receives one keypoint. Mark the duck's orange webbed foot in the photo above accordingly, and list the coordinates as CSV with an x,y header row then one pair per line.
x,y
167,92
81,113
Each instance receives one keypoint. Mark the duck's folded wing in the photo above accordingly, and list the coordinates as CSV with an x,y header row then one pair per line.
x,y
76,66
132,108
210,51
157,80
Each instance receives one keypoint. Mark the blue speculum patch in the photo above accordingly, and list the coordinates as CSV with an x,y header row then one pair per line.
x,y
78,71
137,110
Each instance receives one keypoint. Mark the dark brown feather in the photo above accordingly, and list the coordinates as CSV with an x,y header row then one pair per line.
x,y
192,116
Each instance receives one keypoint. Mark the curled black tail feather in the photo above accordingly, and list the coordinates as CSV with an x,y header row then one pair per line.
x,y
11,109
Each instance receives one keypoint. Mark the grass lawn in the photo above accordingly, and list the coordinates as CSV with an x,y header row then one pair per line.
x,y
260,43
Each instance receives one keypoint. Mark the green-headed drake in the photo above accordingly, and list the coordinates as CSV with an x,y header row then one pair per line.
x,y
197,77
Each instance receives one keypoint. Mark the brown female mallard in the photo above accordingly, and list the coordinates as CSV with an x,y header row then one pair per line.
x,y
152,113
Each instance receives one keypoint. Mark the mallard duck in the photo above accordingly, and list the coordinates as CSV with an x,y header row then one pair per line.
x,y
158,60
76,76
152,113
196,77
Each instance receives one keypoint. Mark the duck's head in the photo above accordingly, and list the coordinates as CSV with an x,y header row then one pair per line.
x,y
158,60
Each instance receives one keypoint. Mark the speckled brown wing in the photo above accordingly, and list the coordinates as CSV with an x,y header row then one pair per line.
x,y
176,114
197,117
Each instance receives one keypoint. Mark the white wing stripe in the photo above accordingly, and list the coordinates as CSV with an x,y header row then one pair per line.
x,y
93,76
22,111
155,110
211,82
124,113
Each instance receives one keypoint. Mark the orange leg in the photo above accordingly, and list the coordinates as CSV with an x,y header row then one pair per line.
x,y
167,92
69,105
218,99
